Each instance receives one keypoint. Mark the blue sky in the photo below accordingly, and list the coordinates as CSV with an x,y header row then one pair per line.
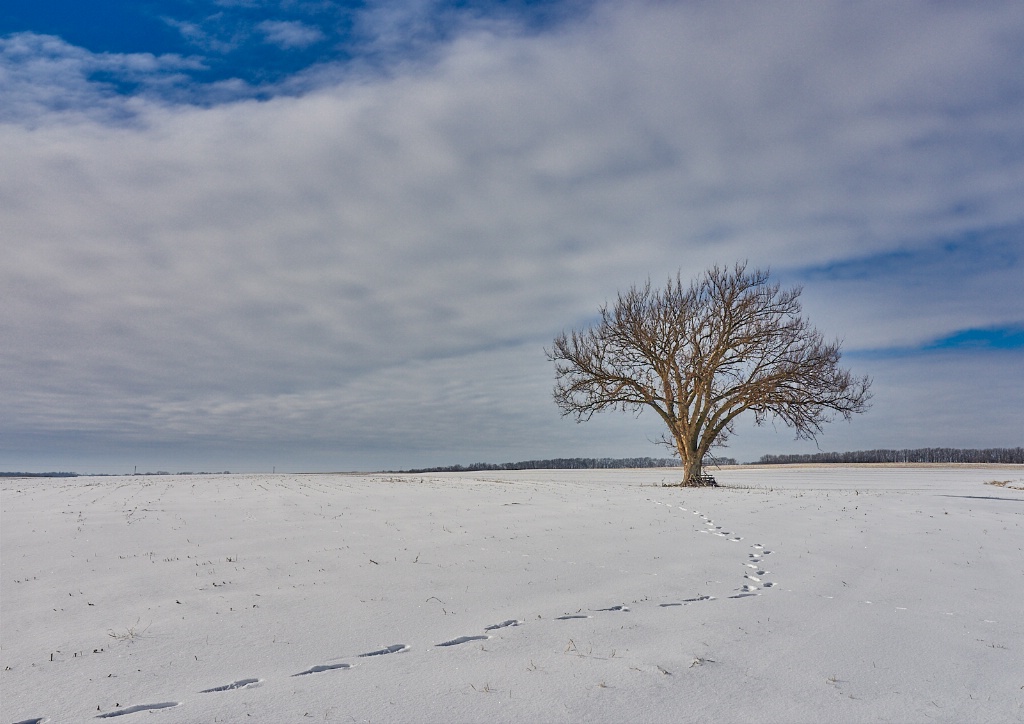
x,y
336,236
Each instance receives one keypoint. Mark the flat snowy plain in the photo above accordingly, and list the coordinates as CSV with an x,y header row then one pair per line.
x,y
791,594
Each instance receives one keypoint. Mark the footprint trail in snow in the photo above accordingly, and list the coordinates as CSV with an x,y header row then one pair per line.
x,y
753,578
753,581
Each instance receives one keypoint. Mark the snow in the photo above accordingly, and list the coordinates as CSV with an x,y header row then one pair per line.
x,y
790,594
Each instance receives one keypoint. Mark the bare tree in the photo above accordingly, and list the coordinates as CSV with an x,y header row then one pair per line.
x,y
701,355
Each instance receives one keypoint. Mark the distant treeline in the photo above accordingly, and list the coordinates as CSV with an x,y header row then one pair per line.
x,y
919,455
38,475
554,464
565,464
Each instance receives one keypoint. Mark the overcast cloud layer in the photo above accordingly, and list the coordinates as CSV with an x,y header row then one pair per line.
x,y
358,265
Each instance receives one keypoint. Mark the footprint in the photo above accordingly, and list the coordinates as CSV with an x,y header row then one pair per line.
x,y
613,608
688,600
463,640
139,707
571,616
503,624
393,649
749,587
744,595
752,578
738,538
767,584
240,684
39,720
314,670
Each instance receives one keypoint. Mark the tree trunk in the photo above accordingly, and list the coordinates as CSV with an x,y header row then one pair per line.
x,y
691,472
692,462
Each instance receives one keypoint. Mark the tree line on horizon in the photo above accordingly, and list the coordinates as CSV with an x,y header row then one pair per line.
x,y
39,475
553,464
1003,455
1011,455
919,455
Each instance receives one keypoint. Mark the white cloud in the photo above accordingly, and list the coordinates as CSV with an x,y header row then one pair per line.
x,y
289,34
382,256
208,35
390,26
42,77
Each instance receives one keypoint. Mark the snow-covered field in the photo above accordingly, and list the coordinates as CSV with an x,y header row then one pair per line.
x,y
792,594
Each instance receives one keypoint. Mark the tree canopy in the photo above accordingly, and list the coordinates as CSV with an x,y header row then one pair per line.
x,y
700,355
